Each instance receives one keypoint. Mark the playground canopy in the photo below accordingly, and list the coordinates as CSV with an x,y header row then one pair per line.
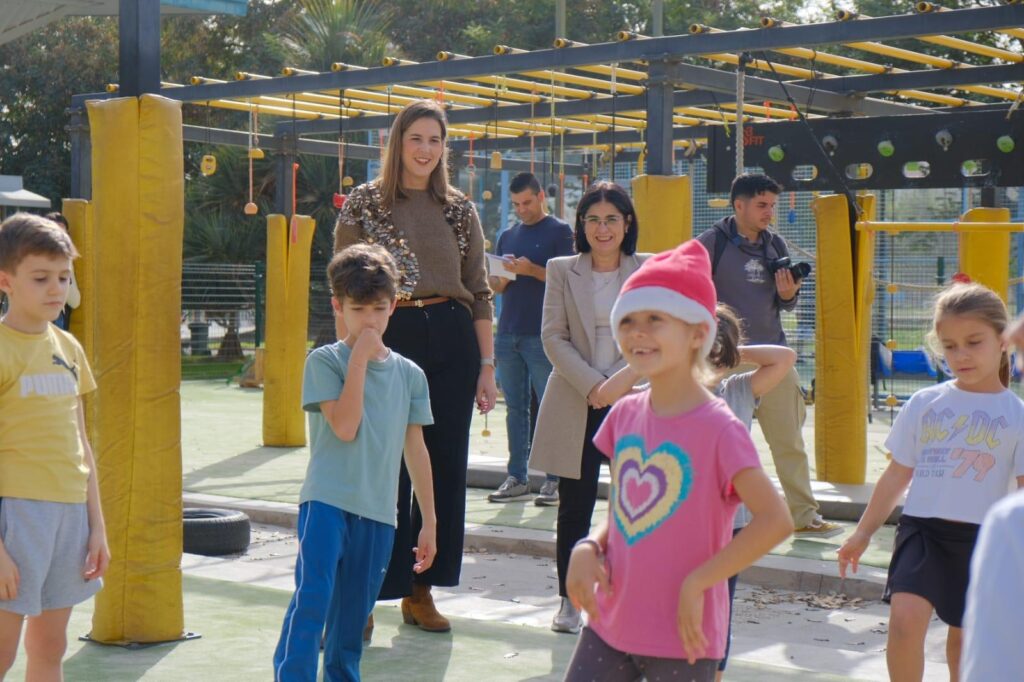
x,y
656,95
21,17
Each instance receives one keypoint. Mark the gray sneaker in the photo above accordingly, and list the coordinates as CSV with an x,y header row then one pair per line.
x,y
567,619
510,491
548,495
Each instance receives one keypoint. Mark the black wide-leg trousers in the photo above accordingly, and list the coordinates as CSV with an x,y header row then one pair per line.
x,y
440,338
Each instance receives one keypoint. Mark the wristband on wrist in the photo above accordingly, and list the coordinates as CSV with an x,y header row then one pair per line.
x,y
487,362
593,543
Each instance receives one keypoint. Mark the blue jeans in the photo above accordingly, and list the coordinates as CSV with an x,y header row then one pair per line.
x,y
338,574
521,363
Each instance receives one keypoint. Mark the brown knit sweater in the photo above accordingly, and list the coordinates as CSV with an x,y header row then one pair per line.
x,y
442,270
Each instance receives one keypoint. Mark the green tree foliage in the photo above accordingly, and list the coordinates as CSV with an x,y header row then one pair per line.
x,y
39,74
321,32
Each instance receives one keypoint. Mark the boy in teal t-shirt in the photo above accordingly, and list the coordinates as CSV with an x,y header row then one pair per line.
x,y
367,404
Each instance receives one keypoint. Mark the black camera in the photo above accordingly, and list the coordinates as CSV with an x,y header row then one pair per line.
x,y
799,270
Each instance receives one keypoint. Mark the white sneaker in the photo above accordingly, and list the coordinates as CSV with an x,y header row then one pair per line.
x,y
510,491
548,495
567,619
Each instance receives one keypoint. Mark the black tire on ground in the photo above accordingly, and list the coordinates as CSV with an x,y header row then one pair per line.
x,y
214,532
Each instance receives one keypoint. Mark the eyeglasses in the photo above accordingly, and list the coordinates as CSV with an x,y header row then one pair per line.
x,y
611,221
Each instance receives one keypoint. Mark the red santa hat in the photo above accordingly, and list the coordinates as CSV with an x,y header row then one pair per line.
x,y
677,283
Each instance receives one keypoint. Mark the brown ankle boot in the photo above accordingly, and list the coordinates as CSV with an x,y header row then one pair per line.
x,y
368,630
419,609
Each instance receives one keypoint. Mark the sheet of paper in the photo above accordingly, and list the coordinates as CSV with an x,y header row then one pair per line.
x,y
496,267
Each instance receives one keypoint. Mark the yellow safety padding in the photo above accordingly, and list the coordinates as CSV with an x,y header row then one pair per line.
x,y
843,297
664,210
138,208
985,256
79,216
83,319
288,251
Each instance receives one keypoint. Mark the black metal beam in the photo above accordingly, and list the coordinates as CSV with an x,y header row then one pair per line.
x,y
923,79
759,89
139,52
880,28
660,100
81,154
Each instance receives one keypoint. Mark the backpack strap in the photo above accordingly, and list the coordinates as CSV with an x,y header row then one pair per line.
x,y
720,243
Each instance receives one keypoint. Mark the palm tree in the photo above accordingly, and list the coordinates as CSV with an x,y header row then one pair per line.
x,y
326,31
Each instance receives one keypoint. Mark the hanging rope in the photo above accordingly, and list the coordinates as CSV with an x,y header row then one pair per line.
x,y
549,171
533,125
614,102
341,142
295,177
250,207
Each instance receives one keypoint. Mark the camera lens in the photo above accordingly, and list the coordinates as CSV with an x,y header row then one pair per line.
x,y
800,270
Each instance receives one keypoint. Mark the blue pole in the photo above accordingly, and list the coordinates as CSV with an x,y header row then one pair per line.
x,y
504,201
1019,294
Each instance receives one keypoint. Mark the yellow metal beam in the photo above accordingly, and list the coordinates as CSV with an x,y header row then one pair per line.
x,y
956,226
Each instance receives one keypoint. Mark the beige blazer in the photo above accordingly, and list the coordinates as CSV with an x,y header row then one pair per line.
x,y
568,331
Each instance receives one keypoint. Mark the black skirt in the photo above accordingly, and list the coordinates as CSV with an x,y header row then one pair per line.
x,y
932,559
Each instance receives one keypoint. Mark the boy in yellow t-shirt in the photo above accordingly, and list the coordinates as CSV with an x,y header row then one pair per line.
x,y
53,542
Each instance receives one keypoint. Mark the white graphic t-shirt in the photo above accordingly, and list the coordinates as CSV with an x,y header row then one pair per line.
x,y
965,449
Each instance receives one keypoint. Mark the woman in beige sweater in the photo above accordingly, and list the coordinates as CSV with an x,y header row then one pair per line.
x,y
442,323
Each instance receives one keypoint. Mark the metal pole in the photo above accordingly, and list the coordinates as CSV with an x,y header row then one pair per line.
x,y
659,120
560,19
260,302
658,17
139,52
741,69
284,161
81,154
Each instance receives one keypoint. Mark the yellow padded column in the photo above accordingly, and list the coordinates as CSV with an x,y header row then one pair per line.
x,y
843,296
288,252
138,203
664,208
79,215
985,256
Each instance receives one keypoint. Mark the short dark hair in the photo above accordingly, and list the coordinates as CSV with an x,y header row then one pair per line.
x,y
363,273
749,185
615,195
24,234
523,182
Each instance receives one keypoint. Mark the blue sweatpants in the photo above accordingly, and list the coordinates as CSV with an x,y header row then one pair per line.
x,y
338,574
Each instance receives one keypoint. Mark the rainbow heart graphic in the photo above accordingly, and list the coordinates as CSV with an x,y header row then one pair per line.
x,y
648,487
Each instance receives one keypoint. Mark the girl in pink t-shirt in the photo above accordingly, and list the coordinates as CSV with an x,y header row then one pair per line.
x,y
652,578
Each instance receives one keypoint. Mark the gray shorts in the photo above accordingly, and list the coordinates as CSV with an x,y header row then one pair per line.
x,y
48,542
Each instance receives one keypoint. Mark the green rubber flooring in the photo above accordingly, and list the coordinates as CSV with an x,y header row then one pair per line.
x,y
240,624
222,455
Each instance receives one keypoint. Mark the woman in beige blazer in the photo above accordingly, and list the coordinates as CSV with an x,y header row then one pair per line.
x,y
578,299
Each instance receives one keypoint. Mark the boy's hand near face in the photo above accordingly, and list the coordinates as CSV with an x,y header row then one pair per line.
x,y
368,346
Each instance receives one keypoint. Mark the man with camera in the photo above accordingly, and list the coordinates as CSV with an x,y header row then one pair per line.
x,y
753,274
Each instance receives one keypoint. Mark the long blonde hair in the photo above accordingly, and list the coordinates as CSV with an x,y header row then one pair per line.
x,y
977,301
390,178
